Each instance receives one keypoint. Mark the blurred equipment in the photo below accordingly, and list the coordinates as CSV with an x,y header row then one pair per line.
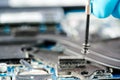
x,y
31,21
31,15
45,45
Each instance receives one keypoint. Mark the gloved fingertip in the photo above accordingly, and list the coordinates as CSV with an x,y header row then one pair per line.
x,y
100,15
103,8
116,12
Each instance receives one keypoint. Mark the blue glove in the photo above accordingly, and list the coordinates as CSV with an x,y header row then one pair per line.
x,y
103,8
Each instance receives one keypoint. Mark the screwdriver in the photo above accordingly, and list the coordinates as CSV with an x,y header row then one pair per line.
x,y
86,44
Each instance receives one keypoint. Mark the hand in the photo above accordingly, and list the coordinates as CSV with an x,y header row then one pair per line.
x,y
103,8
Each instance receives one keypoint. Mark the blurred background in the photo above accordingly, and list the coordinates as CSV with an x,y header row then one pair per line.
x,y
61,15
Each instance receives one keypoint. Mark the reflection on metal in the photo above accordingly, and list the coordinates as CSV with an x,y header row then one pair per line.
x,y
33,77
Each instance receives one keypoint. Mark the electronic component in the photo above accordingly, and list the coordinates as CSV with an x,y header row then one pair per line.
x,y
101,74
25,30
71,62
5,78
69,78
26,71
33,77
3,67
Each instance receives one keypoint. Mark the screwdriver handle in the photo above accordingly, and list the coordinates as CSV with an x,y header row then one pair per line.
x,y
88,7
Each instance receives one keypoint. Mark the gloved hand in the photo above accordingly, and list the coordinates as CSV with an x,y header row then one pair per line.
x,y
103,8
